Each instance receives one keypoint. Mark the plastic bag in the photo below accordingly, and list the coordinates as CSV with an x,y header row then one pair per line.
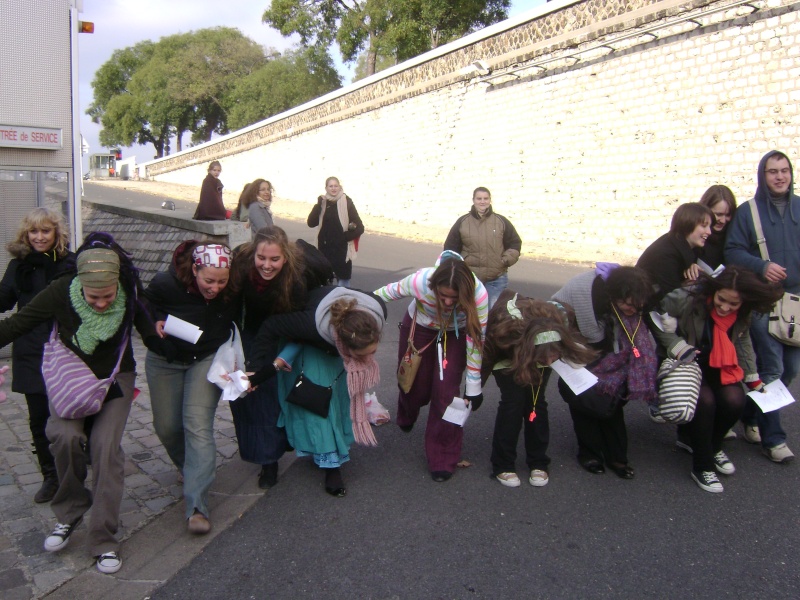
x,y
228,359
377,413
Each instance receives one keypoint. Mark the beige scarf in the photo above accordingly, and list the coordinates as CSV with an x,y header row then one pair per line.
x,y
344,219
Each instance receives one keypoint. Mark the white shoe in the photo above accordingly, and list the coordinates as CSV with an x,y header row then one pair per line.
x,y
539,478
779,453
751,434
731,435
109,563
508,479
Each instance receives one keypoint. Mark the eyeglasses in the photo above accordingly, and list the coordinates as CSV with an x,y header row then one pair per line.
x,y
774,172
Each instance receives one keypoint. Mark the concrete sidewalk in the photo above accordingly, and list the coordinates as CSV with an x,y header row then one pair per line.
x,y
156,543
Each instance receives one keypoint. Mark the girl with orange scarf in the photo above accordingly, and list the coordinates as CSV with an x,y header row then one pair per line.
x,y
713,323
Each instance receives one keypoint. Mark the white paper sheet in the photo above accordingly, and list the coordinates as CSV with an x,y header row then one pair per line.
x,y
774,396
706,268
236,387
183,330
579,380
458,412
657,321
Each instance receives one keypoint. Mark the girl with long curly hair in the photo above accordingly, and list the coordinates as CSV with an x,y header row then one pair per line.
x,y
524,337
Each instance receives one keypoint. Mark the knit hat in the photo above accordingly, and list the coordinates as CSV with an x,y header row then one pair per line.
x,y
98,268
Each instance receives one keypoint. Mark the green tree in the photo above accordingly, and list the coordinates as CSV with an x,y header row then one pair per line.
x,y
389,28
282,83
152,92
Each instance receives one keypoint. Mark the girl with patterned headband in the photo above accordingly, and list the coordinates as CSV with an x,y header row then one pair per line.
x,y
195,289
523,338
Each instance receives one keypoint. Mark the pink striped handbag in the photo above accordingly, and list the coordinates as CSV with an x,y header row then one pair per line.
x,y
73,389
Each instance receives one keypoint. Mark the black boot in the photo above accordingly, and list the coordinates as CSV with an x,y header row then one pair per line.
x,y
49,486
47,465
334,484
269,476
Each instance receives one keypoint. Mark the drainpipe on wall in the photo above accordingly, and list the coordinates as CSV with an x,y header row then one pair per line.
x,y
76,227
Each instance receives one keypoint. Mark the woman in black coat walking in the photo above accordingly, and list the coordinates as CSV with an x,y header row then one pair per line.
x,y
339,229
39,250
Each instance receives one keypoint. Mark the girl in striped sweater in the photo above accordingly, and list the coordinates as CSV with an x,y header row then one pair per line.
x,y
450,306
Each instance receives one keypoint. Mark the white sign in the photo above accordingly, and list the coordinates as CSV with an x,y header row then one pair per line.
x,y
41,138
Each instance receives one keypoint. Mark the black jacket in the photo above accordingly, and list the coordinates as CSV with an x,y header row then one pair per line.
x,y
166,295
23,280
331,239
665,260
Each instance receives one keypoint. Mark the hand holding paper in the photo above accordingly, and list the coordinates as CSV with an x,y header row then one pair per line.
x,y
774,396
183,330
578,379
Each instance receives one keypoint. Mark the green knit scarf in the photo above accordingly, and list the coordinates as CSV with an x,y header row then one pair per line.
x,y
95,327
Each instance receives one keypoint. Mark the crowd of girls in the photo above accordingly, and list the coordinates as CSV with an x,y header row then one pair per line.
x,y
296,326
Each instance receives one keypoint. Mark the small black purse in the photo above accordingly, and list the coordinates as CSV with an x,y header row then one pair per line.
x,y
311,396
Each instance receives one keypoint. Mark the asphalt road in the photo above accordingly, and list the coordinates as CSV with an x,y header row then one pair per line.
x,y
397,534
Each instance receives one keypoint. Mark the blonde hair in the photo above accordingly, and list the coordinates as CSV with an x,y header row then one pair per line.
x,y
40,218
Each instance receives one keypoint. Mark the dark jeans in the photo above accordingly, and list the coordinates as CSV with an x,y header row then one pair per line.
x,y
513,413
718,408
38,413
604,440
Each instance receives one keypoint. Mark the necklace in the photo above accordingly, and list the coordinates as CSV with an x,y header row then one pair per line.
x,y
636,352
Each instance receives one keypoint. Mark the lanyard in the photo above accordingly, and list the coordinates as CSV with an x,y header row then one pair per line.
x,y
535,394
636,352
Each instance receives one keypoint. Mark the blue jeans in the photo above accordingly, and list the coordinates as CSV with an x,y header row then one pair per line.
x,y
775,361
495,287
184,403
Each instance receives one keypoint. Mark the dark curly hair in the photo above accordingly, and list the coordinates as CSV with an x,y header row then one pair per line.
x,y
756,294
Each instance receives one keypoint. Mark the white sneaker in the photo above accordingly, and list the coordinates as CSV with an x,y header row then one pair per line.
x,y
539,478
751,434
731,435
508,479
723,464
59,538
109,563
708,481
779,453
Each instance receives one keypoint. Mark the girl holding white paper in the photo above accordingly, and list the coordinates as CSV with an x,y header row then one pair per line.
x,y
523,338
195,289
450,306
713,322
608,305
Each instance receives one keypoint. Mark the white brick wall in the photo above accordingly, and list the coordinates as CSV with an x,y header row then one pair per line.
x,y
589,162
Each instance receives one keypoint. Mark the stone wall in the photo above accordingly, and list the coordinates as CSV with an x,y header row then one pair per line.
x,y
597,120
152,236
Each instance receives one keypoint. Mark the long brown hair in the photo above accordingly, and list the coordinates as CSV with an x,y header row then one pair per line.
x,y
356,328
290,276
453,273
513,336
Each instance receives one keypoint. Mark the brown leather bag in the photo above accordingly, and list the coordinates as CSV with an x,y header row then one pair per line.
x,y
409,363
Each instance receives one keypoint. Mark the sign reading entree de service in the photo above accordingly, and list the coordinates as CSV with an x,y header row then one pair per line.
x,y
41,138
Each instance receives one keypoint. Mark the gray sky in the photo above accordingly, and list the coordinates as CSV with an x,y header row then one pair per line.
x,y
123,23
